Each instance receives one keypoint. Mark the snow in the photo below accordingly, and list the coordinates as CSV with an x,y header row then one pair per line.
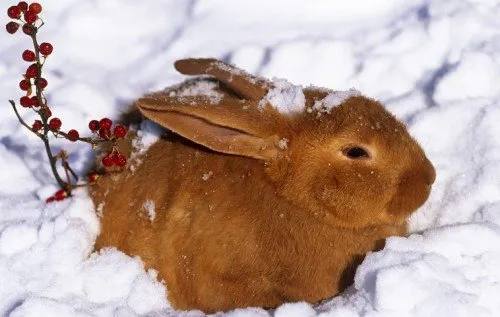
x,y
235,72
9,239
434,63
332,100
301,309
198,88
443,272
206,176
284,96
149,207
148,133
46,267
283,143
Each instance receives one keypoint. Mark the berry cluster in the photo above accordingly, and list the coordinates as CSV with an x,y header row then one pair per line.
x,y
33,85
102,129
23,11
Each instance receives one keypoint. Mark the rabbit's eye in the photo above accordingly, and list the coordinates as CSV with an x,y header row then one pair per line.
x,y
356,152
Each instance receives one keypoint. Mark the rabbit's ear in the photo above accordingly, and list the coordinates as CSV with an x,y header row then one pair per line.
x,y
242,83
223,127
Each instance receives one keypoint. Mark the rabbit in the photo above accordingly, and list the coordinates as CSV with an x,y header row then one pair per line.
x,y
255,206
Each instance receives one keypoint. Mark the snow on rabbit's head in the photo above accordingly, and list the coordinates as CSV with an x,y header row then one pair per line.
x,y
339,155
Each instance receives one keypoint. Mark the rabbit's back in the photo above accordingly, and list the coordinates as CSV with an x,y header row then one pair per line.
x,y
202,226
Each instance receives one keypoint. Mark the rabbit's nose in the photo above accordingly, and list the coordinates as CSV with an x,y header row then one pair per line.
x,y
430,176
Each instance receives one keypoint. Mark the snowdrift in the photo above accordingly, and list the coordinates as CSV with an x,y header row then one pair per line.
x,y
436,64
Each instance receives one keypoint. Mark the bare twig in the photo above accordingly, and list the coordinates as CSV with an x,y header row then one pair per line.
x,y
88,140
13,104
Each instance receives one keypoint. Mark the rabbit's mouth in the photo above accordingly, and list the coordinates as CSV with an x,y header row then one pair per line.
x,y
411,193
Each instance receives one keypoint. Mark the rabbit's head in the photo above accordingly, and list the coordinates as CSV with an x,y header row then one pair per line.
x,y
352,165
358,164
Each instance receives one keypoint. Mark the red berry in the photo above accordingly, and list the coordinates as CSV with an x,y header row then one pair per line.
x,y
55,124
60,194
120,131
24,85
32,71
50,199
105,124
29,56
14,12
42,82
93,177
104,134
94,125
12,27
35,7
108,160
46,48
120,160
30,17
46,112
28,29
34,101
23,6
25,101
73,135
37,125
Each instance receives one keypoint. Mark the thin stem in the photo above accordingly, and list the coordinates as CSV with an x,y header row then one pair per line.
x,y
22,121
45,140
64,162
71,171
86,140
68,179
52,162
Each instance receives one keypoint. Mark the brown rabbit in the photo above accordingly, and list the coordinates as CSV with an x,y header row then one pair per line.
x,y
257,207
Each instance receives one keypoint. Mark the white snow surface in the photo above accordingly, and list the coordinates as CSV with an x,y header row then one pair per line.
x,y
198,88
434,63
149,208
333,100
284,96
148,132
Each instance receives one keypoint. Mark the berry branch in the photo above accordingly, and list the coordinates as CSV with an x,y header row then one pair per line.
x,y
33,84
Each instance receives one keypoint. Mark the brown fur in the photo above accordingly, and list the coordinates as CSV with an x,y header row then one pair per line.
x,y
271,224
